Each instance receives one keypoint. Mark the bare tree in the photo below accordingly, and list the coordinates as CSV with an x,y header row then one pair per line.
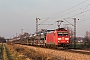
x,y
87,39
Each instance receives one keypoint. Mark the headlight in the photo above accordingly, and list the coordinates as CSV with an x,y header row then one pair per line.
x,y
66,38
67,41
59,38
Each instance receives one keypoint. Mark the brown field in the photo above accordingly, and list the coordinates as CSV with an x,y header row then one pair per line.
x,y
37,53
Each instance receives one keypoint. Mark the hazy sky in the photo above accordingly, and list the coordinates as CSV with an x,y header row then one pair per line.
x,y
21,14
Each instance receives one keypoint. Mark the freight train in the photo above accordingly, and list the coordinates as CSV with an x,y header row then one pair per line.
x,y
46,38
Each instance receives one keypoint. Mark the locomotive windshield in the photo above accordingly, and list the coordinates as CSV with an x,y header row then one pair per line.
x,y
62,34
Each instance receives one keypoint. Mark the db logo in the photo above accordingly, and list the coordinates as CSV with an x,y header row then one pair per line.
x,y
62,38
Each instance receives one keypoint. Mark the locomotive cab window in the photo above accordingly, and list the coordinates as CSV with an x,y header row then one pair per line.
x,y
62,34
65,34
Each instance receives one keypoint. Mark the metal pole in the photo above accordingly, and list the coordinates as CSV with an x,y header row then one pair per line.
x,y
21,31
36,25
74,32
16,36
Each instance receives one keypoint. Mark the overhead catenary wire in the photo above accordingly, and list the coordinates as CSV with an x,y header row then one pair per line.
x,y
74,11
70,8
81,13
49,25
44,21
70,12
83,20
86,7
66,10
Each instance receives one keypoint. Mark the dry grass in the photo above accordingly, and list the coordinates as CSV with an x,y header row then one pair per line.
x,y
30,54
36,53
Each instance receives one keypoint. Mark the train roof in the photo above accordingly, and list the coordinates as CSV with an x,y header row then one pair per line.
x,y
61,29
50,30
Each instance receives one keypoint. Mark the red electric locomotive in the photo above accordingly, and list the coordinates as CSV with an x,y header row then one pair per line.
x,y
59,37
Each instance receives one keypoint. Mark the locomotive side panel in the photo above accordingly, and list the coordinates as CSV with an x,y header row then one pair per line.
x,y
50,38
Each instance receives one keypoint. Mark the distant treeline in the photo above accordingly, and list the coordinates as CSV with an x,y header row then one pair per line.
x,y
2,40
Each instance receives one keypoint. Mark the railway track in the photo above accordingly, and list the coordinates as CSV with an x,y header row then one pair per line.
x,y
87,52
72,50
79,51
